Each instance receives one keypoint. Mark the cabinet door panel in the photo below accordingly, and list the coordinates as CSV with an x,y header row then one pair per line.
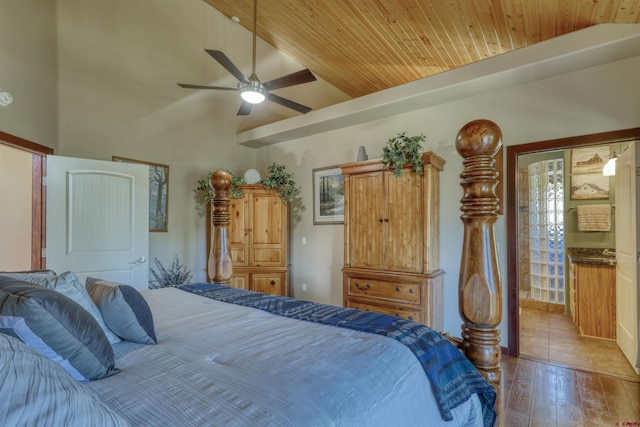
x,y
267,220
267,236
240,281
268,256
239,221
403,234
366,224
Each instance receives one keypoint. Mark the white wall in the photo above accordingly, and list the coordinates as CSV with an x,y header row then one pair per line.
x,y
119,64
597,99
28,70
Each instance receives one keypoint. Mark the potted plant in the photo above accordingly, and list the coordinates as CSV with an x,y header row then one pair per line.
x,y
403,150
204,187
278,178
177,274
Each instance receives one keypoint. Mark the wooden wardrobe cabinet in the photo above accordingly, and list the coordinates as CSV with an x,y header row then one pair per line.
x,y
258,240
391,240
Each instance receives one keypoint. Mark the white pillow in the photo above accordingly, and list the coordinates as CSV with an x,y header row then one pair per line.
x,y
68,285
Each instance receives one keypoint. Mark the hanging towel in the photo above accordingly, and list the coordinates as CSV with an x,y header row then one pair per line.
x,y
594,218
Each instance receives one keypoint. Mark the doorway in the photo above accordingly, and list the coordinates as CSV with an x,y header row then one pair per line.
x,y
37,169
512,210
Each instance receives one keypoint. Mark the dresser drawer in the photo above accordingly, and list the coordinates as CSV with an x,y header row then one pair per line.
x,y
268,283
397,291
415,315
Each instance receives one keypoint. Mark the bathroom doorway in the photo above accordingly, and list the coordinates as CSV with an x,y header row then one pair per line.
x,y
540,326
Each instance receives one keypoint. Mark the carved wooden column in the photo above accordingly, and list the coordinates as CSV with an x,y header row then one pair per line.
x,y
220,267
479,291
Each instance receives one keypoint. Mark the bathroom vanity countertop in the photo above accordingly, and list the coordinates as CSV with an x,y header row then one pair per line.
x,y
592,256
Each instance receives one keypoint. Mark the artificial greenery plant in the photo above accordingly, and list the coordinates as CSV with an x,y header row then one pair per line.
x,y
403,150
204,187
278,178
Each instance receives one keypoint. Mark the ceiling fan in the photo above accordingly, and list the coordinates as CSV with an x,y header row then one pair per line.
x,y
251,89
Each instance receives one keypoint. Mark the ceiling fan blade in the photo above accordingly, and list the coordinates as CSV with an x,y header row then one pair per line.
x,y
288,103
228,65
188,86
299,77
245,109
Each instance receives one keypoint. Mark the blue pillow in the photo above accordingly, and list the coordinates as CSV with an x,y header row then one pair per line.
x,y
124,310
56,327
68,285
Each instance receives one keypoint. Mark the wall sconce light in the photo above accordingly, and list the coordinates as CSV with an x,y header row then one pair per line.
x,y
609,168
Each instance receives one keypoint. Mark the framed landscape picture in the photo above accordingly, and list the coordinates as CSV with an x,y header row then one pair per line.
x,y
328,196
591,186
589,160
158,193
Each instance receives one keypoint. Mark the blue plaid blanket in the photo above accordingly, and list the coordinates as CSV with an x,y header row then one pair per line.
x,y
453,378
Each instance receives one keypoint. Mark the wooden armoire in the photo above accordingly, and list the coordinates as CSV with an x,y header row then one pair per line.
x,y
391,240
258,240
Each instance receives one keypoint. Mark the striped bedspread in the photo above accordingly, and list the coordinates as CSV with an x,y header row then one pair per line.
x,y
453,378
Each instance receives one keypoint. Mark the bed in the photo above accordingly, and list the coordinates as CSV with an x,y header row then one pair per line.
x,y
208,355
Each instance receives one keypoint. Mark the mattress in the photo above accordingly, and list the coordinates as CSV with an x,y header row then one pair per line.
x,y
220,364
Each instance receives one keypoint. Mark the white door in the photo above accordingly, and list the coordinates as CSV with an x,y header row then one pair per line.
x,y
97,219
627,254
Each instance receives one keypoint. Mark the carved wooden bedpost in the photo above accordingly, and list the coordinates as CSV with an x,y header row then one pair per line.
x,y
219,266
479,292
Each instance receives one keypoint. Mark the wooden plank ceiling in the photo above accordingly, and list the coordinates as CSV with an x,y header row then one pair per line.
x,y
364,46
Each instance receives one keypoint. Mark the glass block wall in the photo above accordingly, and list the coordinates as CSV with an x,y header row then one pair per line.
x,y
523,232
546,228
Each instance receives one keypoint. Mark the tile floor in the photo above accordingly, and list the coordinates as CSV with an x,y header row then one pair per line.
x,y
552,337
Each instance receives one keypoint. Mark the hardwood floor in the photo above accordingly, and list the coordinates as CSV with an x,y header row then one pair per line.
x,y
563,379
552,337
543,394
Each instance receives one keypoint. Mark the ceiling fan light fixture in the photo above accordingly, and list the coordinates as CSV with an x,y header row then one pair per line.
x,y
253,93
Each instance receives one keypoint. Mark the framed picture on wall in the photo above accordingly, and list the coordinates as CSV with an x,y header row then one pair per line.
x,y
590,186
589,160
158,193
328,196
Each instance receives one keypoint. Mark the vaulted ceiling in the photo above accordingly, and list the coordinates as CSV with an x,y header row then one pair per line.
x,y
364,46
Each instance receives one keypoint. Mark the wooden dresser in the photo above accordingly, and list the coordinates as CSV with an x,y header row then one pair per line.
x,y
258,240
391,240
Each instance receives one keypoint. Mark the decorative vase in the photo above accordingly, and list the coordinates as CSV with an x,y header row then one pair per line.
x,y
362,154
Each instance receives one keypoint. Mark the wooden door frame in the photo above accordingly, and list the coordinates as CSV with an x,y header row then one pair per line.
x,y
513,152
38,201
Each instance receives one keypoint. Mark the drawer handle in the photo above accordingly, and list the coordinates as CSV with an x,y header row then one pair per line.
x,y
397,289
362,288
273,282
410,290
410,317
